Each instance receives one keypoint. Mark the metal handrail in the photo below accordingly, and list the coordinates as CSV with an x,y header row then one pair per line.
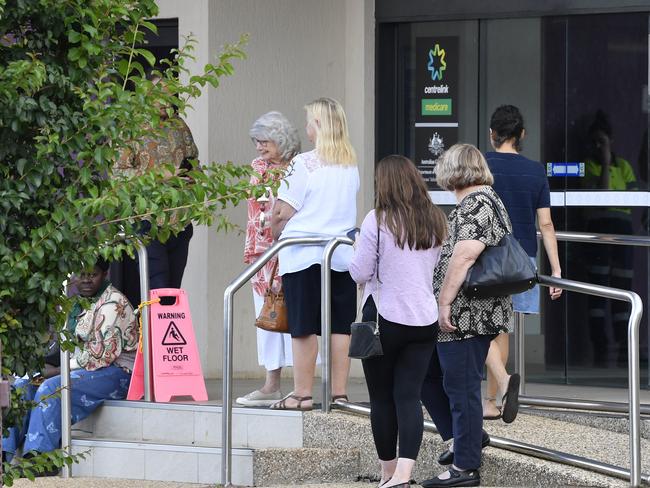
x,y
595,238
522,448
66,407
519,334
326,317
236,284
634,474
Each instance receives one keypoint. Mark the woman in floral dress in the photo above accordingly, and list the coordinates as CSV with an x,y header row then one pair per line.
x,y
276,142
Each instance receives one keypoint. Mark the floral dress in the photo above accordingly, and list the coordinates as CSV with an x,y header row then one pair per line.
x,y
258,230
474,218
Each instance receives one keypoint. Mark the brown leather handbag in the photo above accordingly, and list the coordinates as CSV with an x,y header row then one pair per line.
x,y
273,316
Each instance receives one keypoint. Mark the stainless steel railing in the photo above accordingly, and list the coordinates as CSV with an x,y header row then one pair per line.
x,y
228,312
66,408
634,474
519,335
326,317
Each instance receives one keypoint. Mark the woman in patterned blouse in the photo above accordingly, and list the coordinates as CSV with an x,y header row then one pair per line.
x,y
276,142
107,333
467,325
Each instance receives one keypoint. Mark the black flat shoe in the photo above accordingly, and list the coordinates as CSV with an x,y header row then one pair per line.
x,y
447,457
510,401
457,478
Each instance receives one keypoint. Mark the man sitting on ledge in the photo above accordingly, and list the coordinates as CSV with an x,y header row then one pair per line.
x,y
107,333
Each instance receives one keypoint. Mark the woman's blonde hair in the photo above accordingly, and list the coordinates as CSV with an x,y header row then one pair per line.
x,y
331,126
462,166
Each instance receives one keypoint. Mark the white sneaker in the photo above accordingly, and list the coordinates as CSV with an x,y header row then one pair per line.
x,y
258,399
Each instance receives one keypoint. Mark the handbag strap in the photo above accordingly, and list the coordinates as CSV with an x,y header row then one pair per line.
x,y
378,284
497,210
274,271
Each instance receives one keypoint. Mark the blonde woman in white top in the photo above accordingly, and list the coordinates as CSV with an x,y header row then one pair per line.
x,y
318,196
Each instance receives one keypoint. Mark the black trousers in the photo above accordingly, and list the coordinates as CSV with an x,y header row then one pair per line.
x,y
395,382
166,266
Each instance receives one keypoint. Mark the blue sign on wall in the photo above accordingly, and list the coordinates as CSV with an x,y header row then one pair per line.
x,y
565,169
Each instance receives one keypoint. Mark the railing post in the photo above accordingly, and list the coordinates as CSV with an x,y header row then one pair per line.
x,y
226,411
66,412
143,264
520,350
634,389
236,284
326,318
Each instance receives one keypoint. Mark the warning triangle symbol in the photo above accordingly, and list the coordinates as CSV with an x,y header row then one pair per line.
x,y
173,336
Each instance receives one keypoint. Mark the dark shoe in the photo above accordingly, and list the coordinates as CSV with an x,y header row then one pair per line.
x,y
510,401
457,478
447,457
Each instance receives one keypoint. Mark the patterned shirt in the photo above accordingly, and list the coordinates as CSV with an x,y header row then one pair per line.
x,y
108,332
172,145
258,230
474,218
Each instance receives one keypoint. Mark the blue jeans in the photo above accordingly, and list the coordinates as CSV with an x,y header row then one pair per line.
x,y
41,427
461,416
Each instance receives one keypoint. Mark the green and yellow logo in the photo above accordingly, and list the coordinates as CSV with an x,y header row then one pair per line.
x,y
437,63
436,106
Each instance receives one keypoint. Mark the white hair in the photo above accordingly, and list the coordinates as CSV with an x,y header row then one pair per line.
x,y
273,126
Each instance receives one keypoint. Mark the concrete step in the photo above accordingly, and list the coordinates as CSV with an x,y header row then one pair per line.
x,y
191,425
499,467
193,464
160,462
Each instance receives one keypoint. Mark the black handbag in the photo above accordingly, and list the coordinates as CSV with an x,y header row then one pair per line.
x,y
504,269
365,342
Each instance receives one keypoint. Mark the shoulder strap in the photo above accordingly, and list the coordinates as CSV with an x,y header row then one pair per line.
x,y
497,210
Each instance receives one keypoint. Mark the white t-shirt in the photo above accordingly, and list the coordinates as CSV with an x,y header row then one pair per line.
x,y
325,200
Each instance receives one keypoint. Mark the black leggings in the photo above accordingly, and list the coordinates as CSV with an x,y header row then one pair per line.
x,y
395,382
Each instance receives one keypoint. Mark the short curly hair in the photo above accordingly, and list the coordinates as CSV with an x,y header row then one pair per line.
x,y
273,126
462,166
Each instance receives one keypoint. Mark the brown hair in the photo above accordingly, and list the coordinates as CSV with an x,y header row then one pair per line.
x,y
404,206
462,166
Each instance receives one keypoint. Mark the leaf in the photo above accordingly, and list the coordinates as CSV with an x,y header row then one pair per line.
x,y
20,166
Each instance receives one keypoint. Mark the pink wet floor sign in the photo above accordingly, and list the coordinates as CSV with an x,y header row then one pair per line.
x,y
175,358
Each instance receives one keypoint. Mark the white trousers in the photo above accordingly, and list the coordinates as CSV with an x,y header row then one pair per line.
x,y
273,348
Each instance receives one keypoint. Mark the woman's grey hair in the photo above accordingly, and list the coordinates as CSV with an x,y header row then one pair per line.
x,y
462,166
273,126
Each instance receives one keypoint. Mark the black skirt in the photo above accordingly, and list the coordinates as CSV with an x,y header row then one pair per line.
x,y
302,294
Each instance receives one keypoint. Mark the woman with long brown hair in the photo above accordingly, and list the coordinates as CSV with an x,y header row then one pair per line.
x,y
396,253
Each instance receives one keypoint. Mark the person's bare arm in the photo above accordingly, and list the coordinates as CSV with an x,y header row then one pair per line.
x,y
282,212
465,254
550,245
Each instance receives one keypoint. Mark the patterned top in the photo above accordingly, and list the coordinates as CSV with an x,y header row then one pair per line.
x,y
474,218
258,230
108,332
173,145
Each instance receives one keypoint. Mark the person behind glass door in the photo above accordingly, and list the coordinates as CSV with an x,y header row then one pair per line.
x,y
523,188
608,265
467,324
276,142
396,253
318,196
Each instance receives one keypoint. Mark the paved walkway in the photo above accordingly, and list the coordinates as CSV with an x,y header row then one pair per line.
x,y
112,483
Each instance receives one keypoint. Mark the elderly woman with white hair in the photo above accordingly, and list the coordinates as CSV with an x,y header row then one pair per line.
x,y
276,142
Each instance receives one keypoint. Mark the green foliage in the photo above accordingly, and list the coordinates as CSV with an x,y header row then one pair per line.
x,y
72,95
